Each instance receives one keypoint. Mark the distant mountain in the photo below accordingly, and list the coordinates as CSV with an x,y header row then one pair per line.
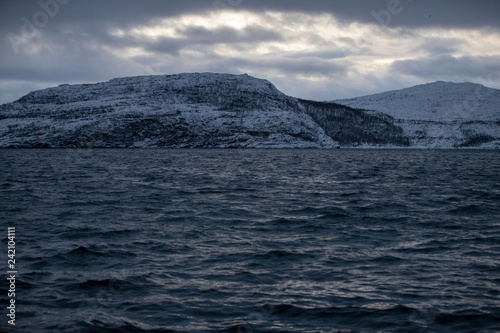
x,y
440,114
187,111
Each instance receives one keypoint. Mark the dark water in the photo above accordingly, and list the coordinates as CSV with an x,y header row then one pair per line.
x,y
253,240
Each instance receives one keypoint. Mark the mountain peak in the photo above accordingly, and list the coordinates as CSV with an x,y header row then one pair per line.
x,y
177,88
434,101
241,81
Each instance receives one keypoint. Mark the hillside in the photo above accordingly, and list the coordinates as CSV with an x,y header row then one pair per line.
x,y
199,110
440,114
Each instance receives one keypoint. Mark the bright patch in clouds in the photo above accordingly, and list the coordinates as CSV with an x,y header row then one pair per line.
x,y
172,26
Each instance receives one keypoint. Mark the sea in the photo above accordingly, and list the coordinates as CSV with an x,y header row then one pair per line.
x,y
253,241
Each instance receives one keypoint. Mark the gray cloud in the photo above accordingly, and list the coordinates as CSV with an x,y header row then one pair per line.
x,y
227,35
447,67
439,45
296,67
193,36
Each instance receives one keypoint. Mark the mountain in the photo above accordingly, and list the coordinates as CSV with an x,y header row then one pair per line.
x,y
186,110
440,114
208,110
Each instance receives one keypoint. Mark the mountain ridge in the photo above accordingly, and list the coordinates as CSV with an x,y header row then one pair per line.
x,y
173,111
214,110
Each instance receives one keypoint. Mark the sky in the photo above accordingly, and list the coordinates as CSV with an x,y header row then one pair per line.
x,y
321,50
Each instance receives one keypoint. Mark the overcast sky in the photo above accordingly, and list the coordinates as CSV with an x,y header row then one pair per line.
x,y
316,49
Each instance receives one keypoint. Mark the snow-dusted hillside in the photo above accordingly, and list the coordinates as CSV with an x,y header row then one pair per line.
x,y
184,110
440,114
223,110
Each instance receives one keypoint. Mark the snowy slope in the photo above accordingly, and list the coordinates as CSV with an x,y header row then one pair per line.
x,y
223,110
440,114
184,110
438,101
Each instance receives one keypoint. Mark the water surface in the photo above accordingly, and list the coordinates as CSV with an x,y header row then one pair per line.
x,y
253,240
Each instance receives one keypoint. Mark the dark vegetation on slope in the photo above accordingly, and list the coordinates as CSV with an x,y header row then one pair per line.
x,y
475,140
351,126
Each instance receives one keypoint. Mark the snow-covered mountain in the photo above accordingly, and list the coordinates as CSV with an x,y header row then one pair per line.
x,y
223,110
185,110
440,114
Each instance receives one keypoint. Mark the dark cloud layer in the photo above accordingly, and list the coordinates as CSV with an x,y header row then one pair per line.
x,y
200,36
409,13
